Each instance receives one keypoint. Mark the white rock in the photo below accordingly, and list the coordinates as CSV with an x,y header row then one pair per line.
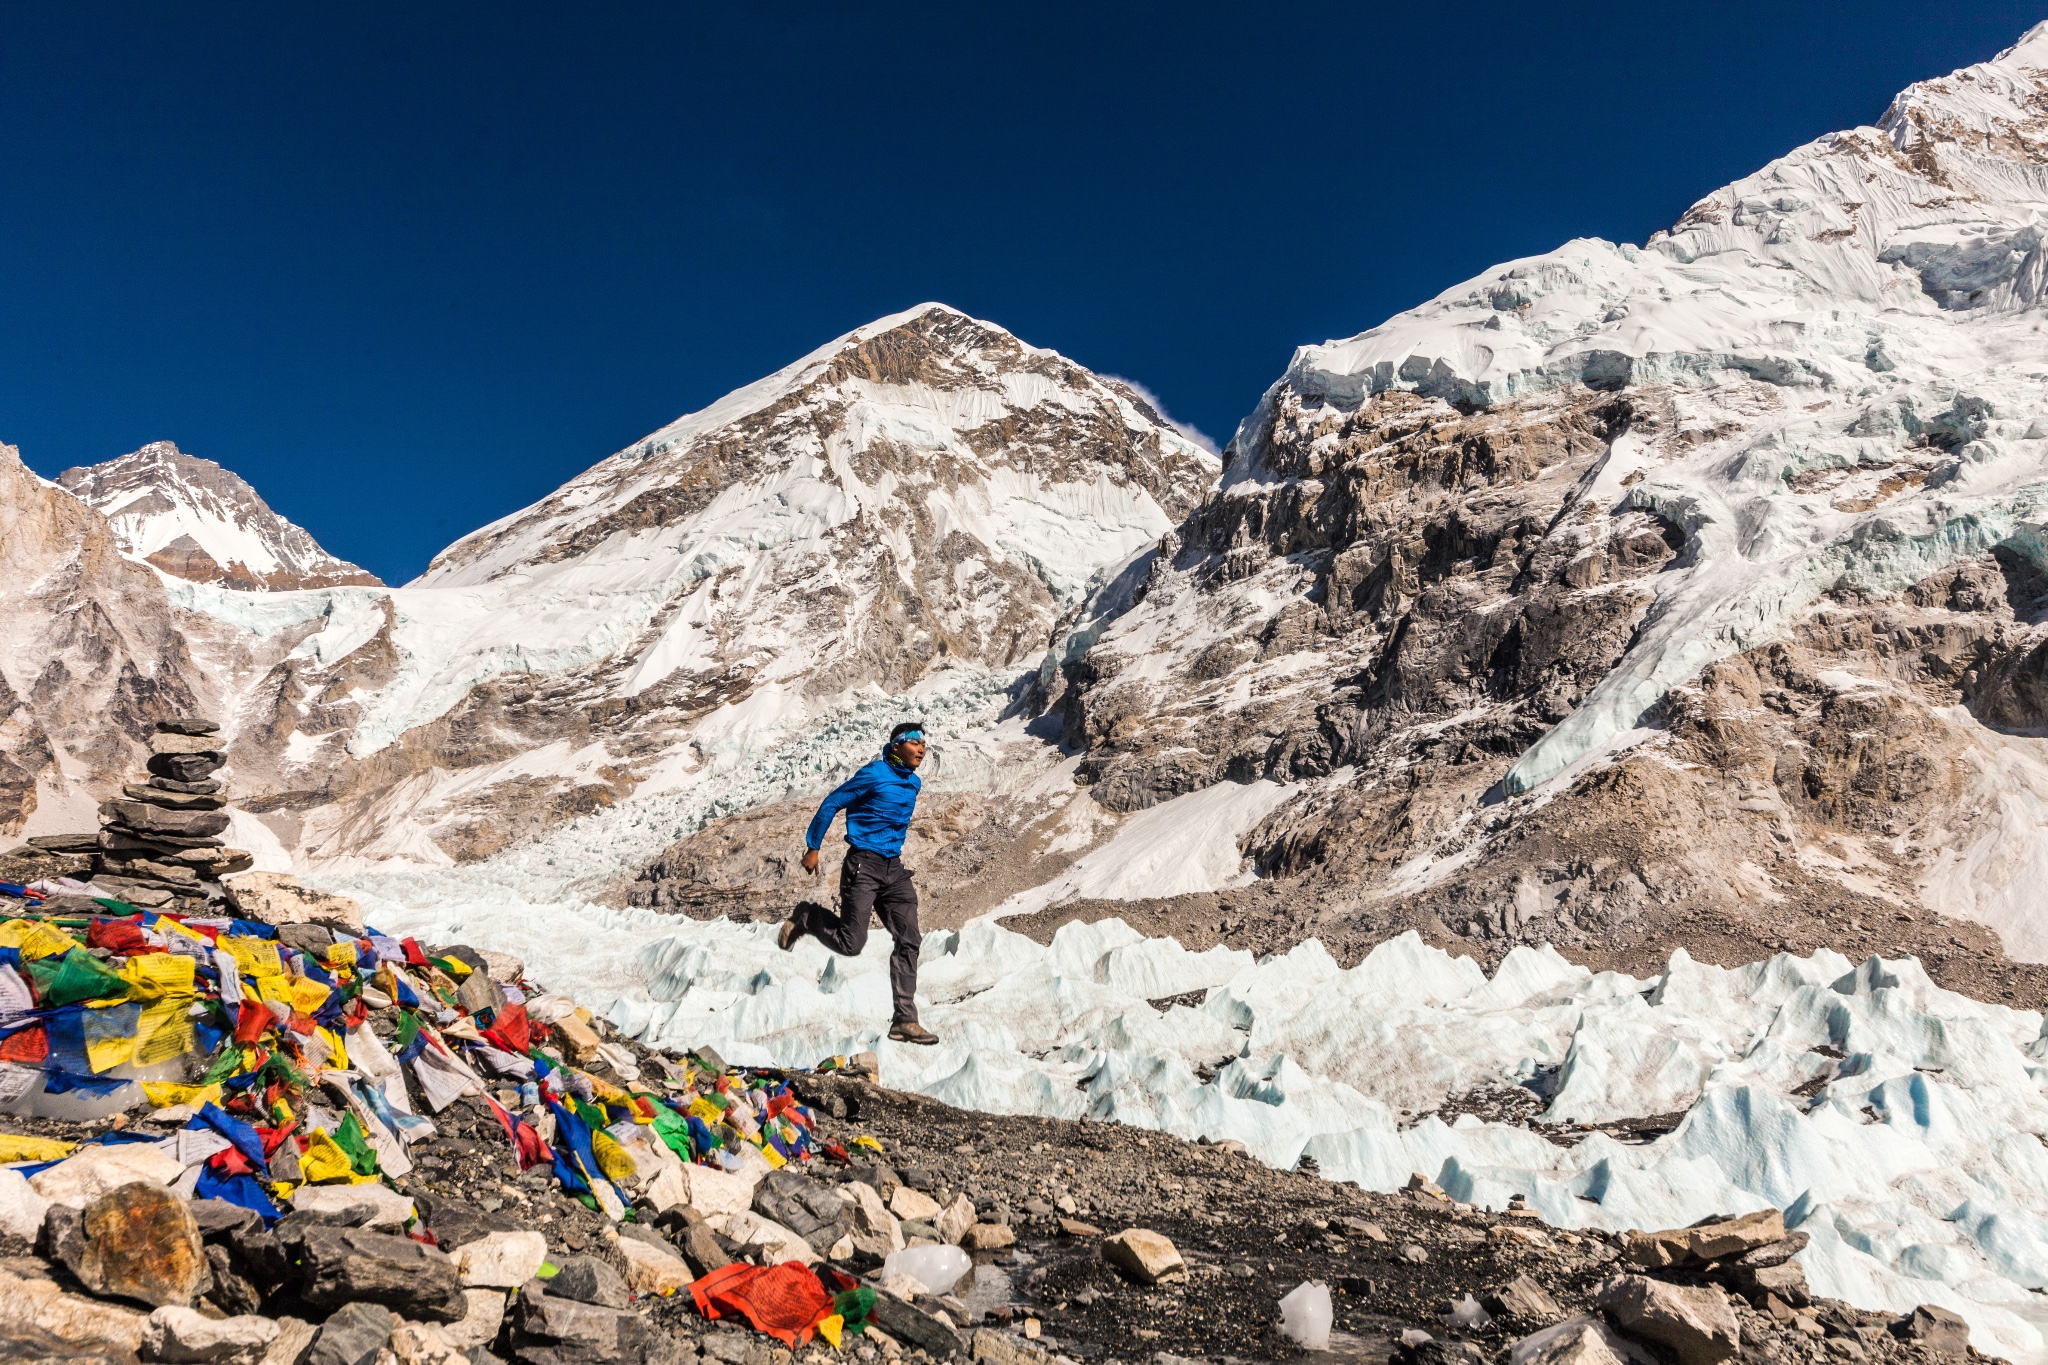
x,y
1578,1341
709,1191
183,1334
954,1220
500,1260
424,1343
90,1172
32,1302
915,1205
479,1326
393,1208
280,898
751,1229
21,1208
650,1270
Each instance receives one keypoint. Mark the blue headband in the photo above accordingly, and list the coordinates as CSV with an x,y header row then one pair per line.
x,y
907,736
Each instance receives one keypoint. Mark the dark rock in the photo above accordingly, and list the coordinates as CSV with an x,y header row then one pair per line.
x,y
343,1265
136,1242
146,818
918,1178
1777,1253
699,1244
171,784
551,1330
914,1327
1937,1329
184,767
65,843
1524,1304
455,1223
231,1291
261,1255
352,1335
217,1217
307,938
589,1280
170,800
187,725
813,1211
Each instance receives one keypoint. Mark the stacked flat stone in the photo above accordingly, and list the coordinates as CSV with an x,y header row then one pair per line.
x,y
159,843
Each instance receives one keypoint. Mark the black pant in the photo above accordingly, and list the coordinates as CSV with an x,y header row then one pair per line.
x,y
868,881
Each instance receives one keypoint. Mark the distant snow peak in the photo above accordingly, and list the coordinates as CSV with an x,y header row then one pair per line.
x,y
195,520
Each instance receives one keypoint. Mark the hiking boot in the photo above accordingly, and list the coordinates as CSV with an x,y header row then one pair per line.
x,y
912,1033
788,934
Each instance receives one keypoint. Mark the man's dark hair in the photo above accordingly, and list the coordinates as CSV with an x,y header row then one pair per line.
x,y
905,728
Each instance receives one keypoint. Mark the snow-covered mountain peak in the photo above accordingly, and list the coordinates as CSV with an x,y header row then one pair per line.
x,y
926,413
195,520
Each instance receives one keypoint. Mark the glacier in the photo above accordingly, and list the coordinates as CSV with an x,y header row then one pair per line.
x,y
1901,1125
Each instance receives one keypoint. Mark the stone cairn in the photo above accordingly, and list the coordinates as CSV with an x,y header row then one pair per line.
x,y
159,843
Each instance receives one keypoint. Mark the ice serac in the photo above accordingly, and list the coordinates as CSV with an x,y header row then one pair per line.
x,y
196,520
1705,572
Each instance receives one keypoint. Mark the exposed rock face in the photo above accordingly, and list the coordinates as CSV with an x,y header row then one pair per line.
x,y
95,655
1575,594
195,520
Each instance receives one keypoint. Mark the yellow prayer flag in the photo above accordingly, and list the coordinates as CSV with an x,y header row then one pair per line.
x,y
307,995
254,956
612,1159
164,1094
342,955
324,1162
829,1328
164,1031
21,1147
338,1058
155,975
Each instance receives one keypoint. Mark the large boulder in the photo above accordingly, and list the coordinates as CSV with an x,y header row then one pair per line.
x,y
1697,1324
1938,1329
138,1242
279,898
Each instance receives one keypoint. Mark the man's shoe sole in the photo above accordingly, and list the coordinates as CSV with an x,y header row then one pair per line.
x,y
926,1040
786,937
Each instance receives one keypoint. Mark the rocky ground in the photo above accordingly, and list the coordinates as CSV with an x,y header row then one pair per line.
x,y
1047,1197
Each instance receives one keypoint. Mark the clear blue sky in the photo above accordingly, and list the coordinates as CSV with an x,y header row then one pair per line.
x,y
409,267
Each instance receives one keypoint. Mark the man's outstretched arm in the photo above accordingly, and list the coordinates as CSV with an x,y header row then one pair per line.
x,y
847,792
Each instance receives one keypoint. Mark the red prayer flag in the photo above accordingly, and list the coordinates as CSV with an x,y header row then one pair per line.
x,y
786,1301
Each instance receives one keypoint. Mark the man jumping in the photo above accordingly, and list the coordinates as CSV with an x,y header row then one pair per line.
x,y
878,801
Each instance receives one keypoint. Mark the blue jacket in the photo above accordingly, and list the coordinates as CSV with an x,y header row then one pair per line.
x,y
878,801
